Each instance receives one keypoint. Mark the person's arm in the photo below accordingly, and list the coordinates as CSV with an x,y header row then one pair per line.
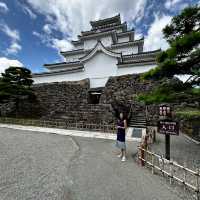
x,y
125,124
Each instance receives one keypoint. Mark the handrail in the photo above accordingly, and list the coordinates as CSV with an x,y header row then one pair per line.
x,y
60,124
194,184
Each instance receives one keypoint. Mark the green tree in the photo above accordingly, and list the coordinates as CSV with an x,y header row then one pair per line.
x,y
183,55
18,76
15,85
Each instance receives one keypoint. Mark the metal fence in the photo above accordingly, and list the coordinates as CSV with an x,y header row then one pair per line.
x,y
175,172
59,124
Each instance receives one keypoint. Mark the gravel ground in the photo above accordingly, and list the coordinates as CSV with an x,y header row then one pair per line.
x,y
42,166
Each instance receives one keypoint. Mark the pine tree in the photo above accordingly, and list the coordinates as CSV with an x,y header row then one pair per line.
x,y
183,55
15,84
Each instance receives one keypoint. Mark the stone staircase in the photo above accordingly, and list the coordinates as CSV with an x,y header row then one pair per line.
x,y
137,118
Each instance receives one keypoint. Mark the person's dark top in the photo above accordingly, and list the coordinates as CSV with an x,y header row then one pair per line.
x,y
121,131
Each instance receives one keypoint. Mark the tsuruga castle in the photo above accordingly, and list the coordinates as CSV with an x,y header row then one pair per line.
x,y
108,49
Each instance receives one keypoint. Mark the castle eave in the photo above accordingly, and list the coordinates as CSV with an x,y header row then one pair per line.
x,y
136,63
115,19
72,52
100,47
129,43
66,71
142,54
63,64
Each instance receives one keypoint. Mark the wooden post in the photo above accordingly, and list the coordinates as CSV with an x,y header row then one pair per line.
x,y
197,184
142,155
152,161
171,172
163,165
185,174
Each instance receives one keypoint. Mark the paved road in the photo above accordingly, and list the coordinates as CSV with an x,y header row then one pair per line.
x,y
183,150
40,166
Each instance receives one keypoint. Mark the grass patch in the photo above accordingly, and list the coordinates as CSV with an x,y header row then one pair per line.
x,y
188,113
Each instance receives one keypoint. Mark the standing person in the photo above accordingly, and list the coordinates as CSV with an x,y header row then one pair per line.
x,y
121,136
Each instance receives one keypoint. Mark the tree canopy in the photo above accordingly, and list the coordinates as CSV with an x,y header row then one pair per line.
x,y
183,55
15,83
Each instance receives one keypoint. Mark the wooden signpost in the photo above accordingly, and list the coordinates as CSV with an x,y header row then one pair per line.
x,y
167,126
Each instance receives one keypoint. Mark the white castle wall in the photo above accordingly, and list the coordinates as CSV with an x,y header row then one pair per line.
x,y
98,69
90,43
123,39
73,58
134,70
127,50
78,46
59,78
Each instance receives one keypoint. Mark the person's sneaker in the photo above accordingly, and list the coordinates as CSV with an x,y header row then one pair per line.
x,y
119,155
123,159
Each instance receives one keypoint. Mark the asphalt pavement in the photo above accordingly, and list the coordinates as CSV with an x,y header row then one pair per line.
x,y
41,166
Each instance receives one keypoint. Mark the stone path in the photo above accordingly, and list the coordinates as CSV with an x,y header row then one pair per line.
x,y
88,134
35,166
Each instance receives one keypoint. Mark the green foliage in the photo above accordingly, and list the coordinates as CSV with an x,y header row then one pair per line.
x,y
184,23
183,55
15,83
170,91
188,113
17,76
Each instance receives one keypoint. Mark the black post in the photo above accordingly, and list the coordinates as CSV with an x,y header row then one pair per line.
x,y
167,146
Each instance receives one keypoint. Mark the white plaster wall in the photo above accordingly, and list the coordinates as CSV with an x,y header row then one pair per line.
x,y
106,41
98,82
127,50
99,68
90,44
123,39
78,46
134,69
59,78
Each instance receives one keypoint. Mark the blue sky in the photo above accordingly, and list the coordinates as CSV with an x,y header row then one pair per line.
x,y
32,32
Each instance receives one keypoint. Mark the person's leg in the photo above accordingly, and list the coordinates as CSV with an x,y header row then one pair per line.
x,y
123,155
120,154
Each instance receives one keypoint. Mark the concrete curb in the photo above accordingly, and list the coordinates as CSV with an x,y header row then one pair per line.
x,y
88,134
191,139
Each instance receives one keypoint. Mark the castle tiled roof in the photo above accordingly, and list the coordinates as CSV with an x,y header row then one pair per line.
x,y
142,58
66,65
64,71
116,20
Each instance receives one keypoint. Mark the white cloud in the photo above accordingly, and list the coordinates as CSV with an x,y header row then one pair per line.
x,y
13,48
13,34
29,12
73,16
171,3
154,39
6,62
14,37
47,28
58,44
3,7
138,35
61,45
